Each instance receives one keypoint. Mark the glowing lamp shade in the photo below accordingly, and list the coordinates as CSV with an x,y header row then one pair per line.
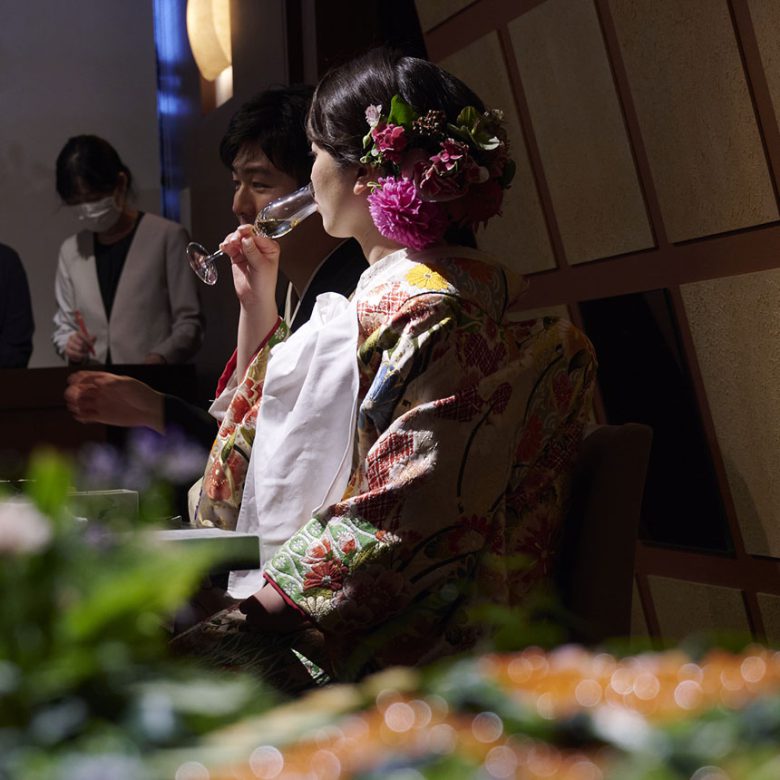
x,y
208,28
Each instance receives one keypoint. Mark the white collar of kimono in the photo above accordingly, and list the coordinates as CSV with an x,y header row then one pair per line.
x,y
302,453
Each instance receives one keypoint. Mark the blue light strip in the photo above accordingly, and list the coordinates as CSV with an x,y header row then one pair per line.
x,y
172,51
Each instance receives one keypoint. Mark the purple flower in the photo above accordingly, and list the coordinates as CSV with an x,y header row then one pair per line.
x,y
146,446
400,214
183,460
100,466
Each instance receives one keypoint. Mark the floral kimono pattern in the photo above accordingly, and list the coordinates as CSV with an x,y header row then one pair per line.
x,y
223,481
467,427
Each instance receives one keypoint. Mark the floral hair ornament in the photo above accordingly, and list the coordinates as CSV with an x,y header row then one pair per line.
x,y
437,174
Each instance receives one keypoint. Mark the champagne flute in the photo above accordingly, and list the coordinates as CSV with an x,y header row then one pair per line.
x,y
277,219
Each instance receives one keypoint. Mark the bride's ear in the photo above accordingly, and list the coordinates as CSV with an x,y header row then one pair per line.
x,y
365,174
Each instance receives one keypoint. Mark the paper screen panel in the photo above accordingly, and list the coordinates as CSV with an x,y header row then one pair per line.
x,y
580,130
695,115
433,12
769,605
519,237
684,608
735,325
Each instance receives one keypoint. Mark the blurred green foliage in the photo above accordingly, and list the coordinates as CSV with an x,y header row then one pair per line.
x,y
89,688
86,678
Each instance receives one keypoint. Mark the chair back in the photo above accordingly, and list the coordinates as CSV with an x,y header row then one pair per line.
x,y
595,567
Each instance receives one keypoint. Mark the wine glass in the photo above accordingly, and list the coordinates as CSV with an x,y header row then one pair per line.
x,y
277,219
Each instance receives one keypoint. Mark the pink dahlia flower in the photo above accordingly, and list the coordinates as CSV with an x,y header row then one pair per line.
x,y
401,214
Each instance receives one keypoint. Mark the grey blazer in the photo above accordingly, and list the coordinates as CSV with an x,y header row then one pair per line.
x,y
156,308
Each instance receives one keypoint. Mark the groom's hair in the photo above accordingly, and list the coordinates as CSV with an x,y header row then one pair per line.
x,y
274,121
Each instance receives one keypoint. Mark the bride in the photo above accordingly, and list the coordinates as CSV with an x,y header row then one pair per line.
x,y
405,456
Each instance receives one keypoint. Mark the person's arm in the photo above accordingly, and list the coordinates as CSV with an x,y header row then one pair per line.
x,y
439,443
186,333
269,610
16,317
100,397
255,266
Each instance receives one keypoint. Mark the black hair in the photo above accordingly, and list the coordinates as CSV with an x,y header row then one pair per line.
x,y
274,120
337,118
88,163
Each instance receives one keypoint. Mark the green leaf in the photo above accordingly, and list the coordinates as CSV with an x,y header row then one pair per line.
x,y
51,478
140,580
468,118
459,133
401,113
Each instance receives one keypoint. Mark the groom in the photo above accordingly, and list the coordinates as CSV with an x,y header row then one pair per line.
x,y
267,152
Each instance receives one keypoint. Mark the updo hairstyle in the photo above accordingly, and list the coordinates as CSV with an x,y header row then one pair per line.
x,y
337,117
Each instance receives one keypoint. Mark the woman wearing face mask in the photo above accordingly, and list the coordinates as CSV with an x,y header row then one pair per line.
x,y
124,291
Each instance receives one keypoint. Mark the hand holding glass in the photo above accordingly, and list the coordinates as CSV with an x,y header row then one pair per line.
x,y
277,219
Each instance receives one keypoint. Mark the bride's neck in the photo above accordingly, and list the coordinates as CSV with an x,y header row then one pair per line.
x,y
375,246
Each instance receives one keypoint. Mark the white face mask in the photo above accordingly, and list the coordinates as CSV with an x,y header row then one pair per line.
x,y
98,216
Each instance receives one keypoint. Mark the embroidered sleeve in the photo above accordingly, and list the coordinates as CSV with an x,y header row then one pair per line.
x,y
441,428
223,479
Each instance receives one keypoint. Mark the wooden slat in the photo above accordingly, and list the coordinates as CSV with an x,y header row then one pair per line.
x,y
762,575
471,23
743,251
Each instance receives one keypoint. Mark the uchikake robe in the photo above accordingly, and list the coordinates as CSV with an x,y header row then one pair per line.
x,y
467,426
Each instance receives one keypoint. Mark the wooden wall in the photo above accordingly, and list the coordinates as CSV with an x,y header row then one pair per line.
x,y
646,207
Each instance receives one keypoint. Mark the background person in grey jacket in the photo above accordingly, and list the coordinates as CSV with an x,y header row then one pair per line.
x,y
124,291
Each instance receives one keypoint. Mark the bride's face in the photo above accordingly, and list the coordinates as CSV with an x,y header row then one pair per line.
x,y
340,199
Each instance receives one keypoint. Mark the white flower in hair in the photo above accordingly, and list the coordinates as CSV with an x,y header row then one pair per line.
x,y
373,115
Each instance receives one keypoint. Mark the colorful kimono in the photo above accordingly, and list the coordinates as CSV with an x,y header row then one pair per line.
x,y
467,426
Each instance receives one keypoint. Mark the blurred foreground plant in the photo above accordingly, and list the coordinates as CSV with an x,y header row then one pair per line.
x,y
160,468
86,679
